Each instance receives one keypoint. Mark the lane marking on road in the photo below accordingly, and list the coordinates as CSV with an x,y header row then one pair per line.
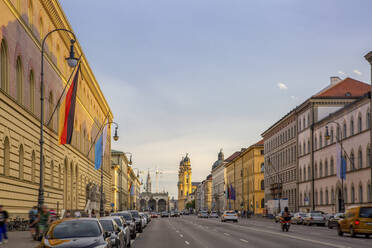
x,y
181,235
187,243
177,231
226,234
243,240
293,237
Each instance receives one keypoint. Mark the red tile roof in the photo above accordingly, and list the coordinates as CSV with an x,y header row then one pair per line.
x,y
261,142
232,157
344,88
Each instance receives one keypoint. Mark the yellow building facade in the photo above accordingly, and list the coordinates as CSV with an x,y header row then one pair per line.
x,y
207,184
245,176
69,174
134,185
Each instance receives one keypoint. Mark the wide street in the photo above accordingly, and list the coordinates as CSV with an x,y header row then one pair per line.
x,y
189,231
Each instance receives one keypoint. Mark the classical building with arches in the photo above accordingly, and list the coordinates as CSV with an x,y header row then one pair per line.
x,y
70,178
153,201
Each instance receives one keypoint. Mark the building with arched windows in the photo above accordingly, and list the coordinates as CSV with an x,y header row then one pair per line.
x,y
69,175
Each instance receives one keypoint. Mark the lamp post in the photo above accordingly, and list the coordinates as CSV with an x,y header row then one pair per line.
x,y
368,57
72,62
339,140
101,205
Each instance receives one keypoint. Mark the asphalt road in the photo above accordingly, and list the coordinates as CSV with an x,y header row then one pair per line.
x,y
189,231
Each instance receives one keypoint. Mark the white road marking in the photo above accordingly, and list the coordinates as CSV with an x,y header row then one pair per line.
x,y
243,240
177,231
181,235
187,243
226,234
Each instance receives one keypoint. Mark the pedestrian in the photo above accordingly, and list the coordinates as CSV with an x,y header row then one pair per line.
x,y
77,214
53,215
32,215
68,214
43,220
93,214
3,220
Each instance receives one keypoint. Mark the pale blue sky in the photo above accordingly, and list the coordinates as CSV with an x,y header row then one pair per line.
x,y
197,75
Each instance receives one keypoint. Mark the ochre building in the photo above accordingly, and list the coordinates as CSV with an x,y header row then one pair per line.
x,y
185,186
70,177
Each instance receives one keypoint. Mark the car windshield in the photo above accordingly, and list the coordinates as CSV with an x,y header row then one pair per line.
x,y
365,212
135,214
127,216
107,225
118,222
75,229
230,212
316,214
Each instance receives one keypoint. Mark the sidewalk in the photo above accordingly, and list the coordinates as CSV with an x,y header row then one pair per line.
x,y
21,240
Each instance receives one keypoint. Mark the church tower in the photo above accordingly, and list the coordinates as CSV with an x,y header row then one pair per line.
x,y
148,182
184,182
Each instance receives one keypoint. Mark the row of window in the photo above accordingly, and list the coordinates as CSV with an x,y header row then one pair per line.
x,y
280,138
283,177
324,198
304,123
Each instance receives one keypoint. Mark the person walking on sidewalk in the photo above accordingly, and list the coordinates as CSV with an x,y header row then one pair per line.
x,y
3,219
32,214
43,220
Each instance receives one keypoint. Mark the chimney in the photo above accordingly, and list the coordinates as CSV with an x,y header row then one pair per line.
x,y
335,80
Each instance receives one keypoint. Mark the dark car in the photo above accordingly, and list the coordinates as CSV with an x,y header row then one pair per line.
x,y
164,214
137,219
333,220
129,220
76,233
117,235
120,221
176,214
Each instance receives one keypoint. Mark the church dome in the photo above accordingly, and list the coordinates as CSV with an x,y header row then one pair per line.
x,y
219,161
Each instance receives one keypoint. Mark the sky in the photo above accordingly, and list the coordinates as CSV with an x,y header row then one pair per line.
x,y
195,76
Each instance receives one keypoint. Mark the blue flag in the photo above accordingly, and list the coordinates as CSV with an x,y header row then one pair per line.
x,y
98,153
343,168
132,190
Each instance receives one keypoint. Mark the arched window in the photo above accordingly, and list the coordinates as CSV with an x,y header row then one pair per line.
x,y
352,160
31,81
345,195
332,196
360,193
326,197
315,143
320,169
33,164
50,109
4,66
332,136
59,177
308,173
351,126
345,131
368,153
359,123
262,185
304,173
308,146
316,197
51,173
304,122
19,80
6,156
316,170
262,167
320,141
21,161
332,169
352,194
368,119
326,168
304,147
339,137
30,13
321,197
300,174
262,203
360,158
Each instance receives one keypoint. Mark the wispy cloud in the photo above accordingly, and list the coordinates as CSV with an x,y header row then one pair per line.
x,y
282,86
357,72
342,73
294,98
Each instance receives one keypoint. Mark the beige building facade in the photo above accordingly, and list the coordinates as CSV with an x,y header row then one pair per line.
x,y
70,178
119,180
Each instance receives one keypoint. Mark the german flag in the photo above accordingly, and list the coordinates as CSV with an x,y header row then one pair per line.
x,y
67,112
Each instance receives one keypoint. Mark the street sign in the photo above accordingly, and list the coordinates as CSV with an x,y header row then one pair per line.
x,y
112,204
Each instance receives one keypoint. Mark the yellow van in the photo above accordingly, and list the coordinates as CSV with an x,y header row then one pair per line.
x,y
357,220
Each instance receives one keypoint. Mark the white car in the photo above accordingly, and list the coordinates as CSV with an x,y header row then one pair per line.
x,y
143,219
229,216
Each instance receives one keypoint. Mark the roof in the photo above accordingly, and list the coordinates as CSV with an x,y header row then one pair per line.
x,y
260,143
346,87
233,156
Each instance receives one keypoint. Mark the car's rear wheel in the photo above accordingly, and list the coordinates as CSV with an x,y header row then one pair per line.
x,y
339,231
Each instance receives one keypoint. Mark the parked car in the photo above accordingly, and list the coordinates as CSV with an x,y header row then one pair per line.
x,y
130,221
229,216
81,232
314,218
186,212
148,217
137,219
143,219
164,214
357,220
213,214
120,221
298,218
333,220
203,214
177,214
117,235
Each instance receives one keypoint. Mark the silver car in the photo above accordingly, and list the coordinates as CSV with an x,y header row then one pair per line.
x,y
314,219
229,216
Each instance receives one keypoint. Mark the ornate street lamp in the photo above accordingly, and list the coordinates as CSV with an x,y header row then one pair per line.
x,y
72,62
